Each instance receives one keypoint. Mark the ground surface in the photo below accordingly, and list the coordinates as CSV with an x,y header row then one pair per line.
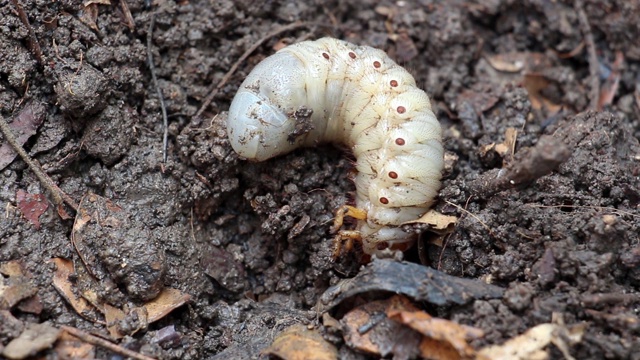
x,y
250,242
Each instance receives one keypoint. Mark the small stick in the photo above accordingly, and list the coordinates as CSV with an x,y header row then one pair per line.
x,y
163,107
94,340
58,195
594,63
242,58
33,41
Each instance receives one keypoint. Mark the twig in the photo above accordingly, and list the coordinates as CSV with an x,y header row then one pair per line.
x,y
484,225
33,41
601,208
163,107
242,58
58,195
94,340
594,63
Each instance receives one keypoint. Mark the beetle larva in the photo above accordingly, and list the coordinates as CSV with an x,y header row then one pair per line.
x,y
358,97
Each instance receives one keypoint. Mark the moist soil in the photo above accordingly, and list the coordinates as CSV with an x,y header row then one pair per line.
x,y
250,242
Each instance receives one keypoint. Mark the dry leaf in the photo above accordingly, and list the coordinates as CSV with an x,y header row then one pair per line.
x,y
34,338
15,289
168,300
70,347
535,83
98,2
531,344
62,283
23,126
89,15
32,206
610,87
11,268
112,315
518,61
507,148
299,343
444,339
368,329
437,221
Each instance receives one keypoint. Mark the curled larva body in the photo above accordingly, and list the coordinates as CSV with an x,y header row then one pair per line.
x,y
360,98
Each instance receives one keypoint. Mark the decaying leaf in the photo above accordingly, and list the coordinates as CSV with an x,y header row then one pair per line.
x,y
368,329
70,347
168,300
437,222
535,83
299,343
112,315
532,344
14,289
418,282
34,338
443,339
32,206
23,126
12,268
505,150
62,283
610,86
518,61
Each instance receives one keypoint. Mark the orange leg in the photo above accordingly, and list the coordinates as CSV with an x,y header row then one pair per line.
x,y
347,210
344,241
346,238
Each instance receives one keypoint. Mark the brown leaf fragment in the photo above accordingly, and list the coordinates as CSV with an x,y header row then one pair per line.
x,y
35,338
518,61
609,88
89,15
112,315
31,305
368,329
223,267
438,222
62,283
480,101
532,343
299,343
444,339
31,206
70,347
97,2
15,289
507,148
418,282
23,126
12,268
168,300
535,84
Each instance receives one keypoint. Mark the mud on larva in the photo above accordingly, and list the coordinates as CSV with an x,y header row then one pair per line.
x,y
360,98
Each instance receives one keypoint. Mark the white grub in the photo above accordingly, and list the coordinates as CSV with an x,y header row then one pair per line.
x,y
361,98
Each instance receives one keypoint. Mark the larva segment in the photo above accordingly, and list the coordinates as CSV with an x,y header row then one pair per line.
x,y
361,98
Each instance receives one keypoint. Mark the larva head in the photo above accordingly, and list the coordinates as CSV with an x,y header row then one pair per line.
x,y
254,127
260,117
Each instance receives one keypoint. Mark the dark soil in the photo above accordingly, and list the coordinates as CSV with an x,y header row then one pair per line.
x,y
250,242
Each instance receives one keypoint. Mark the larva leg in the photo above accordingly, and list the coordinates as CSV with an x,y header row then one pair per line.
x,y
345,238
344,241
347,210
